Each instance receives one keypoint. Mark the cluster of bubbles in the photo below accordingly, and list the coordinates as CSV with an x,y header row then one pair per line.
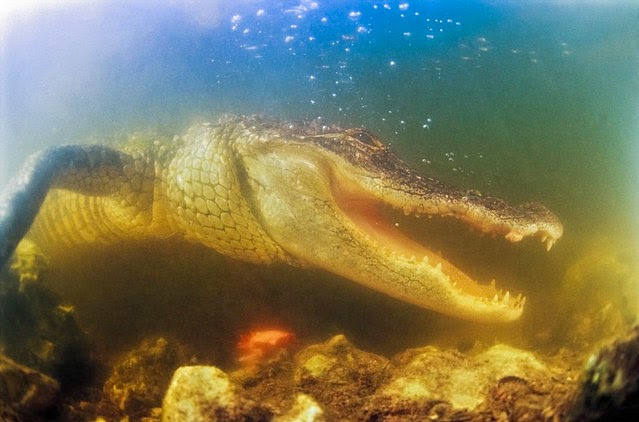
x,y
326,47
342,63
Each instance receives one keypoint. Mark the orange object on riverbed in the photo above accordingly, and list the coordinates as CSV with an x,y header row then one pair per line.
x,y
262,346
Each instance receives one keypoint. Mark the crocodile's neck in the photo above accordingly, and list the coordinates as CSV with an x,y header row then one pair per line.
x,y
203,193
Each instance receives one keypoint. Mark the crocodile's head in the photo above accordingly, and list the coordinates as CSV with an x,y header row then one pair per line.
x,y
319,194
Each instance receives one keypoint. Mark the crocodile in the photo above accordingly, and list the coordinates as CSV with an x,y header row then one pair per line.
x,y
266,191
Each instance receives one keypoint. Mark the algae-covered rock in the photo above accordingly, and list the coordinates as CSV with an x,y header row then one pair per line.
x,y
599,294
610,383
304,409
36,328
338,375
433,375
500,382
206,393
138,381
25,394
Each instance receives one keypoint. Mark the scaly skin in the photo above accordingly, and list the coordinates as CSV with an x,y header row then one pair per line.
x,y
262,192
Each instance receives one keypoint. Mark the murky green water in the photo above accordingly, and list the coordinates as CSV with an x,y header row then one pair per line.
x,y
530,101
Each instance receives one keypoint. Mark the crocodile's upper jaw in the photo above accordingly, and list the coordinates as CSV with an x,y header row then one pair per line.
x,y
322,208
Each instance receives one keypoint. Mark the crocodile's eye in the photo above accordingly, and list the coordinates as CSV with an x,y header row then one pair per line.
x,y
365,138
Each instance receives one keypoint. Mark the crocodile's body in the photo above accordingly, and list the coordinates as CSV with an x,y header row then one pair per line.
x,y
263,192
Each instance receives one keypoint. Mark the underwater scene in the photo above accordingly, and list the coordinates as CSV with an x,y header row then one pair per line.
x,y
319,210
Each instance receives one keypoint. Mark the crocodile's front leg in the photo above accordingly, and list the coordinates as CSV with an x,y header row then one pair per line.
x,y
93,179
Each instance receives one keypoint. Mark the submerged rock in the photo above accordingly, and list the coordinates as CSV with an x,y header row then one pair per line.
x,y
206,393
599,295
336,381
138,381
36,328
432,375
433,383
25,394
304,409
338,375
610,383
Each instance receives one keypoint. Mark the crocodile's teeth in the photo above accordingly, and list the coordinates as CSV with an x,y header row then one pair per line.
x,y
506,298
438,267
514,237
495,298
549,243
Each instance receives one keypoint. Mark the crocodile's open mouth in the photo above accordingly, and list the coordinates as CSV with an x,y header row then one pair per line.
x,y
324,198
370,215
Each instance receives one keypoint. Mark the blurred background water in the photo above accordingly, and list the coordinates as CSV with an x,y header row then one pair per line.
x,y
527,100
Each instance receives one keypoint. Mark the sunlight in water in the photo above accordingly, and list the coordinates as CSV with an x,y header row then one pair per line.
x,y
25,7
475,96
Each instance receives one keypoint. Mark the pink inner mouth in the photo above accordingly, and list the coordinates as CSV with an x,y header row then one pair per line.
x,y
366,213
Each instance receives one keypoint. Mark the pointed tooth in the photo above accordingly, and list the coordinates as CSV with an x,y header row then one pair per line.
x,y
506,298
495,298
543,238
523,301
514,237
438,267
413,258
492,284
425,259
549,243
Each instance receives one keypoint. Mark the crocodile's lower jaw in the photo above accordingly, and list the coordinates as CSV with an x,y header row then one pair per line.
x,y
473,301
